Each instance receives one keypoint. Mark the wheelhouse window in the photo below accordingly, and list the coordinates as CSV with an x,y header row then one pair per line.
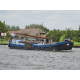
x,y
40,33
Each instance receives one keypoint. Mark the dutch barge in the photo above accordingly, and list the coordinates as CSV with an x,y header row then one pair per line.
x,y
34,44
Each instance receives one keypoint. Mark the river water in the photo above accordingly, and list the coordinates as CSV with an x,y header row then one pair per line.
x,y
16,59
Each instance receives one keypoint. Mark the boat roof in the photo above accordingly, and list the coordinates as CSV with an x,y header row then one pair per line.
x,y
17,39
66,39
32,39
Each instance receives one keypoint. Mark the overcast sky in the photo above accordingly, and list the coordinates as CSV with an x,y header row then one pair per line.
x,y
58,19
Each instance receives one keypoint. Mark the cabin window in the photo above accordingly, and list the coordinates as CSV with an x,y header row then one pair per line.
x,y
40,33
13,41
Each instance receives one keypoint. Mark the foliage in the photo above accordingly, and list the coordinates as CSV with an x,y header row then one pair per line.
x,y
57,35
54,35
62,38
8,35
76,43
12,28
2,28
37,26
4,41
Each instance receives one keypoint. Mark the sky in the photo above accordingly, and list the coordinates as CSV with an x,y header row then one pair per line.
x,y
52,19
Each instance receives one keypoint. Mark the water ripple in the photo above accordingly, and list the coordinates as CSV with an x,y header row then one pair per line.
x,y
14,59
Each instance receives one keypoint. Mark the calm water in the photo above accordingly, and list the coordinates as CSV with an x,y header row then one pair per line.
x,y
14,59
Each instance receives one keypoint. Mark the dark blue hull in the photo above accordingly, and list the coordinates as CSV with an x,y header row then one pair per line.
x,y
30,46
14,46
53,48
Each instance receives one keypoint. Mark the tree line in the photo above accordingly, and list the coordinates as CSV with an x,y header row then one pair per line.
x,y
16,28
60,35
43,28
5,28
12,28
56,35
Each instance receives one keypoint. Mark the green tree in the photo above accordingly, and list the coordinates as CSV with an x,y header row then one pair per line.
x,y
54,35
8,27
12,28
69,33
62,38
79,36
17,28
37,26
2,28
8,35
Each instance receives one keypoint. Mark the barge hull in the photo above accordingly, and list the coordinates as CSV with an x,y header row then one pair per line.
x,y
66,46
30,46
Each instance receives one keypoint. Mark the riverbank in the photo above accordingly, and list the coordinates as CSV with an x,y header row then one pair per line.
x,y
3,42
76,46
